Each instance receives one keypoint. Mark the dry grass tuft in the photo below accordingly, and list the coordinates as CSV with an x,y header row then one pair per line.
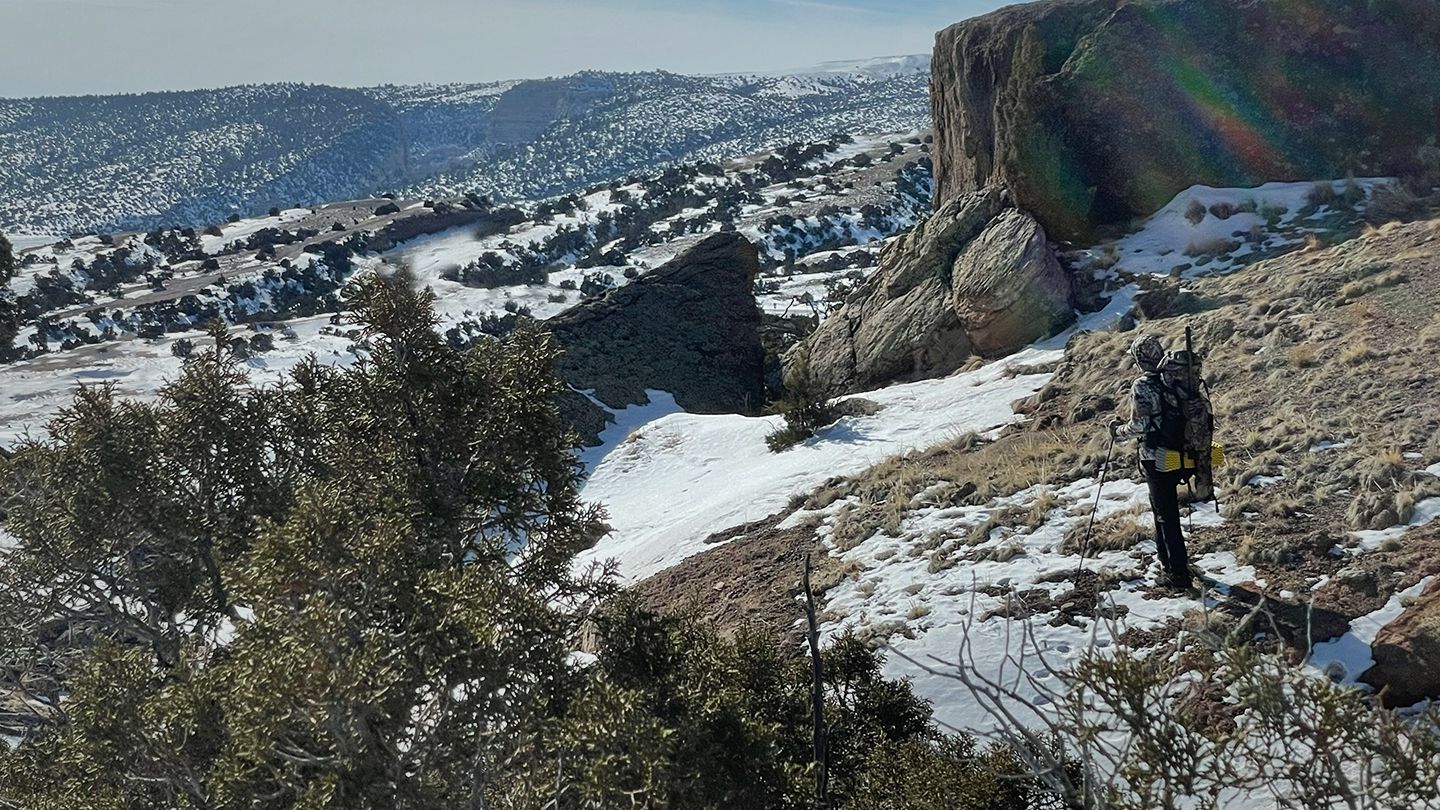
x,y
969,472
1005,552
1393,202
1357,353
1253,551
1118,532
1040,509
1356,289
1301,355
853,526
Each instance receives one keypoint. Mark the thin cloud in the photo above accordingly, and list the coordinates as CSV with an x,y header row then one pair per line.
x,y
828,6
110,46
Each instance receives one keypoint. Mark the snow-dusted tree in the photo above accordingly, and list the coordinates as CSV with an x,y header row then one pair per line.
x,y
807,405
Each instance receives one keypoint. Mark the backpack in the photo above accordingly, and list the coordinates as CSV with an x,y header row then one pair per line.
x,y
1185,403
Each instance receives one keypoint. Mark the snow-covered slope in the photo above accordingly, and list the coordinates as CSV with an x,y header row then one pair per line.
x,y
875,67
617,124
114,162
673,481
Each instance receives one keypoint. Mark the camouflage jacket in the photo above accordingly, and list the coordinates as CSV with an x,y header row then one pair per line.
x,y
1146,414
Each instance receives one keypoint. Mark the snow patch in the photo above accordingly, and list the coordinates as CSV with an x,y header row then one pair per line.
x,y
1190,235
1371,539
1346,658
683,477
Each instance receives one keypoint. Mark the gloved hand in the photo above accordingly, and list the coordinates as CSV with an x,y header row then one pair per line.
x,y
1115,425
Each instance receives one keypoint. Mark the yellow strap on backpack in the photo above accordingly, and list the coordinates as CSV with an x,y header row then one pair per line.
x,y
1172,460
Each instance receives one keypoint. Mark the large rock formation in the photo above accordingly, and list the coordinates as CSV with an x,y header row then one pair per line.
x,y
976,278
690,328
531,107
1406,651
1097,111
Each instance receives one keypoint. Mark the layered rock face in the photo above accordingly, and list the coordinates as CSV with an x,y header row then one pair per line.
x,y
1097,111
1406,652
529,108
977,278
690,328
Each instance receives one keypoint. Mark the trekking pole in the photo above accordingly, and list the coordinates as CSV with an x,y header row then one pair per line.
x,y
1099,490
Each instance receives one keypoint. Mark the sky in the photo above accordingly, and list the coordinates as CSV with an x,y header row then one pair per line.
x,y
73,47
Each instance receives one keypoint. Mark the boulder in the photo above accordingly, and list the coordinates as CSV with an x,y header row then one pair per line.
x,y
690,328
1008,288
1407,653
1094,112
976,278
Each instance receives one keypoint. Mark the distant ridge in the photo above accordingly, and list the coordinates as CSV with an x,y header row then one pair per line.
x,y
131,162
875,67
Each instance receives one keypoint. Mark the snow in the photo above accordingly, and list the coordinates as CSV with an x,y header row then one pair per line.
x,y
1346,658
878,67
626,422
1433,469
1166,238
21,241
683,477
957,624
33,391
245,228
1371,539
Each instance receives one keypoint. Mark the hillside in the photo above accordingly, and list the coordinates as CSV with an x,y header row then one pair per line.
x,y
108,162
126,307
681,438
952,526
82,164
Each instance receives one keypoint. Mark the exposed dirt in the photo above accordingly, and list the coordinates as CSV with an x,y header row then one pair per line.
x,y
751,577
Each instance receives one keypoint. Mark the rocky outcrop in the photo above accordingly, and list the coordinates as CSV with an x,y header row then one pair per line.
x,y
1406,651
487,221
689,327
1096,111
977,278
529,108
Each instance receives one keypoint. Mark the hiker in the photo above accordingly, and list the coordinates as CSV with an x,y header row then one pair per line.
x,y
1157,421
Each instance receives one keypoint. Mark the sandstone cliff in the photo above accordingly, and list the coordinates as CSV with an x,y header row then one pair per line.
x,y
1097,111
